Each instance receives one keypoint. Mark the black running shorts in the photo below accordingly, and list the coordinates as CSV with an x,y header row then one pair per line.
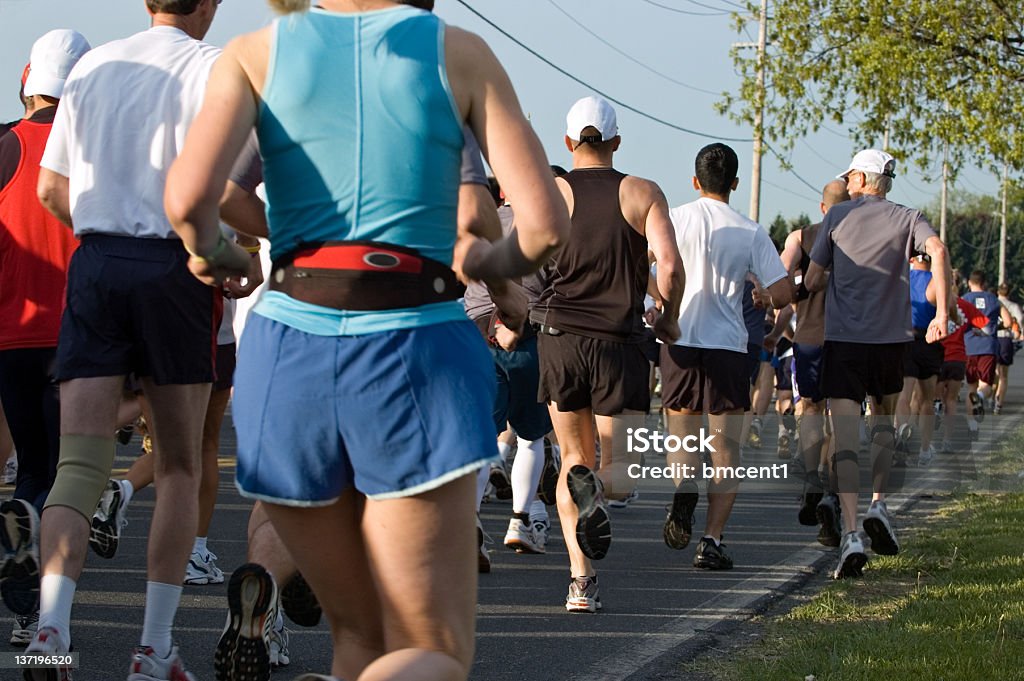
x,y
579,371
704,380
853,371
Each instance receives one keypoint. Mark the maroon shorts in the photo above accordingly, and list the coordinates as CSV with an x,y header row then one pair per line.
x,y
704,380
981,368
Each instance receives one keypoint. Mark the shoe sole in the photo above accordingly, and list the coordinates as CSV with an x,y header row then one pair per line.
x,y
593,527
783,449
483,561
501,484
711,562
242,653
882,541
808,514
579,606
829,521
547,490
523,546
299,602
678,527
853,566
105,533
19,573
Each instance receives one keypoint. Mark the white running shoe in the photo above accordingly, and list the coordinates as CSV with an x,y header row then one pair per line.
x,y
878,525
625,501
583,595
852,557
10,474
279,654
109,519
520,537
925,456
48,642
203,570
146,665
24,630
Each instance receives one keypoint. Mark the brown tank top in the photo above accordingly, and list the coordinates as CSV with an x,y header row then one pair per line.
x,y
599,278
810,312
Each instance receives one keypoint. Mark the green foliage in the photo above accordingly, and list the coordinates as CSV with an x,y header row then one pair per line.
x,y
781,227
929,72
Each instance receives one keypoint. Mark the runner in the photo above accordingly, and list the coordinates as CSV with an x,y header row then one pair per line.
x,y
706,370
386,545
816,506
592,364
1007,338
982,344
867,242
132,306
35,249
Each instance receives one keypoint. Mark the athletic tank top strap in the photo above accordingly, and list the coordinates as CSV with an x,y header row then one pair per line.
x,y
808,235
599,279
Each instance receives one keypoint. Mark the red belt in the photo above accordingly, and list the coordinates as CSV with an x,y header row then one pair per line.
x,y
363,275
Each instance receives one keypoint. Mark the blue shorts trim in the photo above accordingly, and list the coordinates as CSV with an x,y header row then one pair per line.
x,y
390,414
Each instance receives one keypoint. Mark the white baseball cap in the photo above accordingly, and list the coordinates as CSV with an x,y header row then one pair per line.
x,y
591,112
872,161
53,57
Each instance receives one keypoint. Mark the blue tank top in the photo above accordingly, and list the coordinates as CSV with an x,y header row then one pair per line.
x,y
361,139
921,311
974,342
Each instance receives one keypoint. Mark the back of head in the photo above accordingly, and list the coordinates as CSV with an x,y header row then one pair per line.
x,y
834,192
182,7
716,168
1004,289
592,121
977,278
53,56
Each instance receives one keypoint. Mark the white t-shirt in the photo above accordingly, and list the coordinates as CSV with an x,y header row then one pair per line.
x,y
719,247
122,120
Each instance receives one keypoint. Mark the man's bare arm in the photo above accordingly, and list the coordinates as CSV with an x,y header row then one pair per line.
x,y
54,194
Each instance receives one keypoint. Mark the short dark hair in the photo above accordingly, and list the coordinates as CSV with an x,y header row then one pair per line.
x,y
558,171
977,278
422,4
716,168
183,7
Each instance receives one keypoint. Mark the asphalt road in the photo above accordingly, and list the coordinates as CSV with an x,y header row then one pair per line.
x,y
655,603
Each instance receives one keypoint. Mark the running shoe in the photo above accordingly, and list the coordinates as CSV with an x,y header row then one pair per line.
x,y
593,526
808,514
946,447
541,530
202,570
48,642
852,558
711,556
10,474
783,444
24,630
583,595
483,558
754,436
925,456
19,567
828,511
547,486
878,526
500,481
243,651
299,602
977,406
108,520
521,538
124,433
626,501
279,654
997,408
679,521
146,665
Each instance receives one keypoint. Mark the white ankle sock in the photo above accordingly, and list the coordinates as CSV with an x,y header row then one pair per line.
x,y
56,595
526,470
538,511
127,491
200,546
161,606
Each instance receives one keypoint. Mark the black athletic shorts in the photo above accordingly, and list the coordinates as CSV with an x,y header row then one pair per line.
x,y
853,371
579,371
1004,351
953,371
133,306
701,379
808,360
225,366
922,359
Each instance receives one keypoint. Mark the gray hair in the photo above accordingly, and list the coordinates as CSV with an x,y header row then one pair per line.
x,y
877,182
289,6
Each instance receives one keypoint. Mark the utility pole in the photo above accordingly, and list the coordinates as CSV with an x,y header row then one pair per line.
x,y
942,197
755,166
1002,226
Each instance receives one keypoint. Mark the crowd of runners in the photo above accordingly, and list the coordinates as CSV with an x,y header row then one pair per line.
x,y
427,336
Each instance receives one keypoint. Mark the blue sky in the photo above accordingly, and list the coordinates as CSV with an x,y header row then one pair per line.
x,y
662,57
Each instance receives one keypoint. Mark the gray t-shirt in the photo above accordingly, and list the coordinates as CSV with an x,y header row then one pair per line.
x,y
867,242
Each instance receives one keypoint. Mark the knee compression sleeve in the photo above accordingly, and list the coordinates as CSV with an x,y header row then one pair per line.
x,y
883,430
82,473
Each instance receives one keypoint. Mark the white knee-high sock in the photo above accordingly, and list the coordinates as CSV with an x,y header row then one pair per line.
x,y
161,606
526,470
56,595
482,477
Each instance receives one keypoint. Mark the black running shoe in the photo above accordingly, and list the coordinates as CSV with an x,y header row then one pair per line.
x,y
710,556
243,651
593,528
500,481
300,603
808,514
124,433
828,512
679,522
19,564
548,485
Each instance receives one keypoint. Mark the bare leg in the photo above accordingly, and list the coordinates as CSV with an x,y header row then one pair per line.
x,y
266,547
846,427
210,479
575,430
615,455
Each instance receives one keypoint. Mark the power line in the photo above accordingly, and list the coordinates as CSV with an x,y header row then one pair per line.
x,y
788,191
718,11
630,57
587,85
788,167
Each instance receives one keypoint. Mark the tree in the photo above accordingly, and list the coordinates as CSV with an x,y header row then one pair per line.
x,y
781,227
926,72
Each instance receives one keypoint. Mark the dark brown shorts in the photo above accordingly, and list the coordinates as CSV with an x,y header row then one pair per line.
x,y
853,371
981,368
579,371
700,379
